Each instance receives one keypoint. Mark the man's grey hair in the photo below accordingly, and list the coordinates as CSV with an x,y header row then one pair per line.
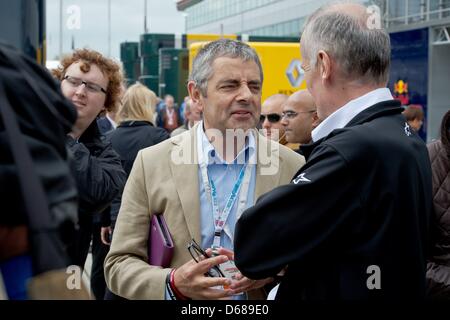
x,y
202,65
362,53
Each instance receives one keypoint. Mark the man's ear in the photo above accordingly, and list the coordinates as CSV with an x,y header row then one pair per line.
x,y
324,65
315,120
194,94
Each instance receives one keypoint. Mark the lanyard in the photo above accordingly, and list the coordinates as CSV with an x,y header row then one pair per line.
x,y
170,116
220,217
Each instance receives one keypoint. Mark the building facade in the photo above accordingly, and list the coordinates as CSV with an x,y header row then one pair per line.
x,y
419,29
253,17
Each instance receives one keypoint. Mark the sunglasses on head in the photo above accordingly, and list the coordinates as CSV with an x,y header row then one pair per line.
x,y
271,117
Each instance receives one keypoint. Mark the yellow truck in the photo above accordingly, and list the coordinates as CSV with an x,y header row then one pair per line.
x,y
281,66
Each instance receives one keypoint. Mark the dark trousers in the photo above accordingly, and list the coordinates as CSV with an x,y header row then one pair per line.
x,y
108,294
78,249
111,296
99,252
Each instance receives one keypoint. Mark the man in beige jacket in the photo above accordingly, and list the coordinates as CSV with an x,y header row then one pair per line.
x,y
192,180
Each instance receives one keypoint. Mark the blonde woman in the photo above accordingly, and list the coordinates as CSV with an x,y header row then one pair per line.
x,y
135,130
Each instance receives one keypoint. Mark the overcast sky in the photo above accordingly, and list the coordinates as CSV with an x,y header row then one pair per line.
x,y
127,23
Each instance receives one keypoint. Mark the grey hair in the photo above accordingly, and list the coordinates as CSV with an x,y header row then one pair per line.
x,y
361,52
202,64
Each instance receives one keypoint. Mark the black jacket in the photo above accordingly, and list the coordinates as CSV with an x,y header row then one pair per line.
x,y
362,199
44,117
99,177
127,139
132,136
98,172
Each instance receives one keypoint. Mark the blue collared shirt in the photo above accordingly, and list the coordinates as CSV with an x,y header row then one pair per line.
x,y
224,176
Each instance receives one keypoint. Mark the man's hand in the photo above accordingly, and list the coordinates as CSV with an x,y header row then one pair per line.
x,y
105,235
191,281
242,284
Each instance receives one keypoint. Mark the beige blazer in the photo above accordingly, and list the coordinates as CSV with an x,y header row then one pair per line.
x,y
164,179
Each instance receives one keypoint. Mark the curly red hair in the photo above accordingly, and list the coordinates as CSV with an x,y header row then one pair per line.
x,y
109,68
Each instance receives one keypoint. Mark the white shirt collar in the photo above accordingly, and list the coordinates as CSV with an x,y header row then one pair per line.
x,y
113,123
342,116
206,148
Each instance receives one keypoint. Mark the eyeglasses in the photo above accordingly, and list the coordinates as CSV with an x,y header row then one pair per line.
x,y
91,87
271,117
293,114
198,254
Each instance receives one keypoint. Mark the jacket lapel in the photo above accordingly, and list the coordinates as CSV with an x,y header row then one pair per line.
x,y
184,167
268,165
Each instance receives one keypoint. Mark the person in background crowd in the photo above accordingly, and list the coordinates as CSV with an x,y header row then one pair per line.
x,y
92,83
192,116
414,116
299,117
182,109
438,268
135,130
270,116
270,120
169,117
347,227
159,106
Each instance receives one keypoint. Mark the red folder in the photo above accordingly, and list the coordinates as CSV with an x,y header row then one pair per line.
x,y
160,243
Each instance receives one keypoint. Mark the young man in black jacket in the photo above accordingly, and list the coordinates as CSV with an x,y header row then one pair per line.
x,y
93,84
353,224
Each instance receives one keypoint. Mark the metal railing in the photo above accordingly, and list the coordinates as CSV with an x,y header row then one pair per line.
x,y
425,12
